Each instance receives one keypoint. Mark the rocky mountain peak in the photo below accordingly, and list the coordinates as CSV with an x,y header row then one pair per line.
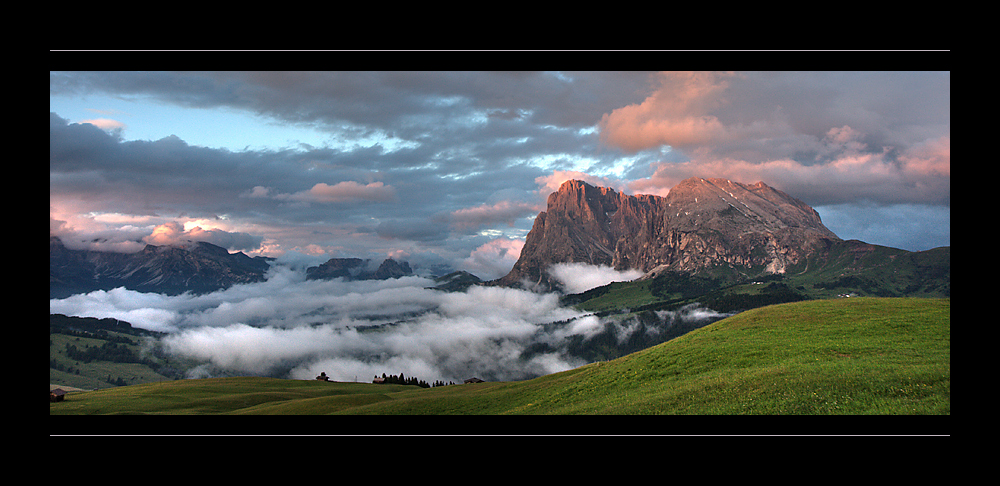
x,y
358,269
697,202
392,269
700,223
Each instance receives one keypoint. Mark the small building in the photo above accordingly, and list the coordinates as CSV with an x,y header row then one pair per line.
x,y
322,376
474,380
57,395
378,379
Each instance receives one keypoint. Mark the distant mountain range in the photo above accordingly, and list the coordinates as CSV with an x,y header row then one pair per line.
x,y
197,267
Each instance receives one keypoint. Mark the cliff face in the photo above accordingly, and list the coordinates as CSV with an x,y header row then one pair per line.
x,y
700,223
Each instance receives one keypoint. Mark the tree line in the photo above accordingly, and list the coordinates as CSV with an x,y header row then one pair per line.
x,y
109,351
402,380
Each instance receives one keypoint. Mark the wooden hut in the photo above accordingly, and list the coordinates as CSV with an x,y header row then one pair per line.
x,y
57,395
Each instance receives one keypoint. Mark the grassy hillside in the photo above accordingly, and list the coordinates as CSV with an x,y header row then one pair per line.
x,y
850,268
91,354
841,356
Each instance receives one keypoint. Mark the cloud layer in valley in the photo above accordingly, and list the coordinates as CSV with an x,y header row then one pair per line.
x,y
580,277
296,328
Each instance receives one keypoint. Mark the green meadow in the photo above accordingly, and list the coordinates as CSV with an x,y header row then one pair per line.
x,y
850,356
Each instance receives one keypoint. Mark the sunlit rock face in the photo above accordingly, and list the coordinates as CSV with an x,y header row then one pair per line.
x,y
700,223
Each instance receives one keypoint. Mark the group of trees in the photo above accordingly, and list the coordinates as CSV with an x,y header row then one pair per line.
x,y
109,351
402,380
54,364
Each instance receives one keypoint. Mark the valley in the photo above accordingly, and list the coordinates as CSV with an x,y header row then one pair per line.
x,y
862,356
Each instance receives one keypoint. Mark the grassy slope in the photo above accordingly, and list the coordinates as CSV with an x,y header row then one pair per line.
x,y
850,267
844,356
94,375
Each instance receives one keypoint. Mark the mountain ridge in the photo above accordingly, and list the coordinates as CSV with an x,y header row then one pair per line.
x,y
194,266
197,267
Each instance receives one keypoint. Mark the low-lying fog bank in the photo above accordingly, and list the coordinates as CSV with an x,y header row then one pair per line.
x,y
293,328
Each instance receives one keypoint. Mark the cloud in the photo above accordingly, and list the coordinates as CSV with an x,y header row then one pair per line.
x,y
257,350
675,114
154,312
291,327
340,192
551,183
344,191
493,259
580,277
918,176
173,233
929,158
84,233
111,126
362,327
491,214
826,138
258,191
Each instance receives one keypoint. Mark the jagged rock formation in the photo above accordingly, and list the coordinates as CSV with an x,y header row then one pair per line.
x,y
358,269
198,267
700,224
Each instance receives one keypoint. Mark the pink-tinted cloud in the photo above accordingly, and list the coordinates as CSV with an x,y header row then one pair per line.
x,y
824,138
921,175
677,113
173,233
551,183
344,191
106,124
743,127
929,158
81,230
493,259
489,214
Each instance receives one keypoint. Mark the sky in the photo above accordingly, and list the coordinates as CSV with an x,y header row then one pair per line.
x,y
447,169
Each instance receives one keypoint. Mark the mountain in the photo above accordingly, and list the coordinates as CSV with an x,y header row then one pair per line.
x,y
458,281
197,267
358,269
700,225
